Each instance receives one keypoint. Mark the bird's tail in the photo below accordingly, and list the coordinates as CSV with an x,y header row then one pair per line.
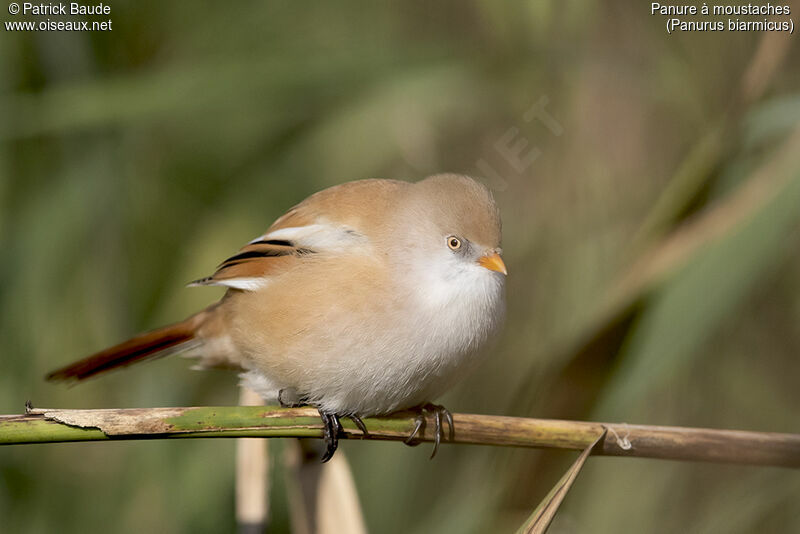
x,y
147,346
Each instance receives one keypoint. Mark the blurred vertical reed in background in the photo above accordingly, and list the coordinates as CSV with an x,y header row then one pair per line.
x,y
652,244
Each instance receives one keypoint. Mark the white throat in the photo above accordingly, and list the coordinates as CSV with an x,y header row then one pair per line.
x,y
461,303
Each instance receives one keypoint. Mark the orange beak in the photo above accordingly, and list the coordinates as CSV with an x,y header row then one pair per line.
x,y
493,262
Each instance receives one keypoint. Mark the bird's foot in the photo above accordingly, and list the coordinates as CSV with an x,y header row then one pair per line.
x,y
289,398
332,430
360,424
331,425
439,413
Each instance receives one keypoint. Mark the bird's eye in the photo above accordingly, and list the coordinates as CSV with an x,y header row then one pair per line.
x,y
453,242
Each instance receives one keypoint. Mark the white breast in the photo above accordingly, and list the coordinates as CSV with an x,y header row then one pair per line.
x,y
441,326
391,355
461,309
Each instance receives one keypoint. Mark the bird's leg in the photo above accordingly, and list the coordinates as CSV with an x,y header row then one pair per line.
x,y
439,412
289,398
331,429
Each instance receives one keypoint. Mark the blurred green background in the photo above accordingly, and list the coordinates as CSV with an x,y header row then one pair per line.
x,y
651,216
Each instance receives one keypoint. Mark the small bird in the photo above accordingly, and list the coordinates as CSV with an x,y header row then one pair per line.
x,y
366,298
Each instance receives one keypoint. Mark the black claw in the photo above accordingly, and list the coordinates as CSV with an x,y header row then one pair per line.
x,y
420,424
331,428
437,434
360,424
449,418
439,413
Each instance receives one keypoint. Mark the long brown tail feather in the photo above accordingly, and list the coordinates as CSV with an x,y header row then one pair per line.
x,y
147,346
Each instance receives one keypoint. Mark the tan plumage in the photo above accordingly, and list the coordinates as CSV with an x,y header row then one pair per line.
x,y
365,298
341,205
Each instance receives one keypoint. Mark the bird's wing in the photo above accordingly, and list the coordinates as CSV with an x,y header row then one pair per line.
x,y
250,268
334,220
